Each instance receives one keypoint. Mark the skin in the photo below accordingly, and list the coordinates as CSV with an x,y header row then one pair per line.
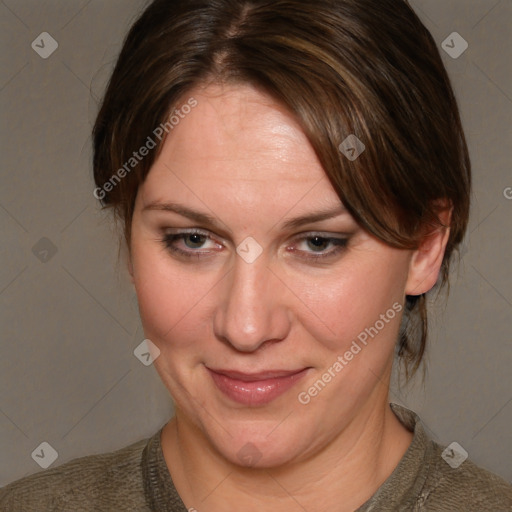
x,y
241,158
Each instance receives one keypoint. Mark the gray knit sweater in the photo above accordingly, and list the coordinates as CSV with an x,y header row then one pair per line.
x,y
136,478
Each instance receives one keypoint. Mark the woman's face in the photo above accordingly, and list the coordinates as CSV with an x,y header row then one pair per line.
x,y
275,334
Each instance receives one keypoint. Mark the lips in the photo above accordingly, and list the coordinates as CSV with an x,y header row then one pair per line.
x,y
253,377
255,389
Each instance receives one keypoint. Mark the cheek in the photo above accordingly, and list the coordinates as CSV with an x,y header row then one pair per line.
x,y
330,309
339,307
362,310
169,298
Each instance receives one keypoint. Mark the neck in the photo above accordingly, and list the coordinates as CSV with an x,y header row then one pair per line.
x,y
342,476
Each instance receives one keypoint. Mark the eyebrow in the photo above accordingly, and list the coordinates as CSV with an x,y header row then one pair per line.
x,y
206,219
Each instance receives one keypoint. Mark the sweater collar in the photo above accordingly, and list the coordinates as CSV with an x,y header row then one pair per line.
x,y
401,489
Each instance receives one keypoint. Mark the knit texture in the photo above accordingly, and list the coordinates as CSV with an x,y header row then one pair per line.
x,y
136,478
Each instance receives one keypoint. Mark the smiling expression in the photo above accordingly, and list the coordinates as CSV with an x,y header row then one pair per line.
x,y
240,339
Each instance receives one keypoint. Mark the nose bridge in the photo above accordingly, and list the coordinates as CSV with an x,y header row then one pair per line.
x,y
251,311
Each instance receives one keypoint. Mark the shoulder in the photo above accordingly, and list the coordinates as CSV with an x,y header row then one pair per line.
x,y
88,483
456,484
434,478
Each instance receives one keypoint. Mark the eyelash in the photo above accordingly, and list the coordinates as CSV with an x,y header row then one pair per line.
x,y
170,239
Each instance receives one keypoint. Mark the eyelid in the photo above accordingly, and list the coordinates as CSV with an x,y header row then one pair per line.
x,y
194,231
322,234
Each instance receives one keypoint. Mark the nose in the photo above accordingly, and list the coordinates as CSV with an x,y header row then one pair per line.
x,y
252,311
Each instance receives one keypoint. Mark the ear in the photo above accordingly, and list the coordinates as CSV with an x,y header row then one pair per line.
x,y
426,260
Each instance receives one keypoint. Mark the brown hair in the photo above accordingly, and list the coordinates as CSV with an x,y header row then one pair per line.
x,y
362,67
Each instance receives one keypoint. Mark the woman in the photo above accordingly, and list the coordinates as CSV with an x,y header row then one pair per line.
x,y
292,179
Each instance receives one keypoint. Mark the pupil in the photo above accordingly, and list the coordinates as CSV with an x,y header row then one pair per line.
x,y
195,239
317,242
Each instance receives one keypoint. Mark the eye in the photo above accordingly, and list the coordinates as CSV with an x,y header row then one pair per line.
x,y
187,243
199,244
316,246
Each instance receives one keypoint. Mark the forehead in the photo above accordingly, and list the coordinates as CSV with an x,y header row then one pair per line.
x,y
238,124
238,143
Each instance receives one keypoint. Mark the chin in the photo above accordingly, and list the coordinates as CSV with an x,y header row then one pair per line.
x,y
260,446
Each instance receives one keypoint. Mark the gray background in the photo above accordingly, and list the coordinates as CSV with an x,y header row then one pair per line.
x,y
69,320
